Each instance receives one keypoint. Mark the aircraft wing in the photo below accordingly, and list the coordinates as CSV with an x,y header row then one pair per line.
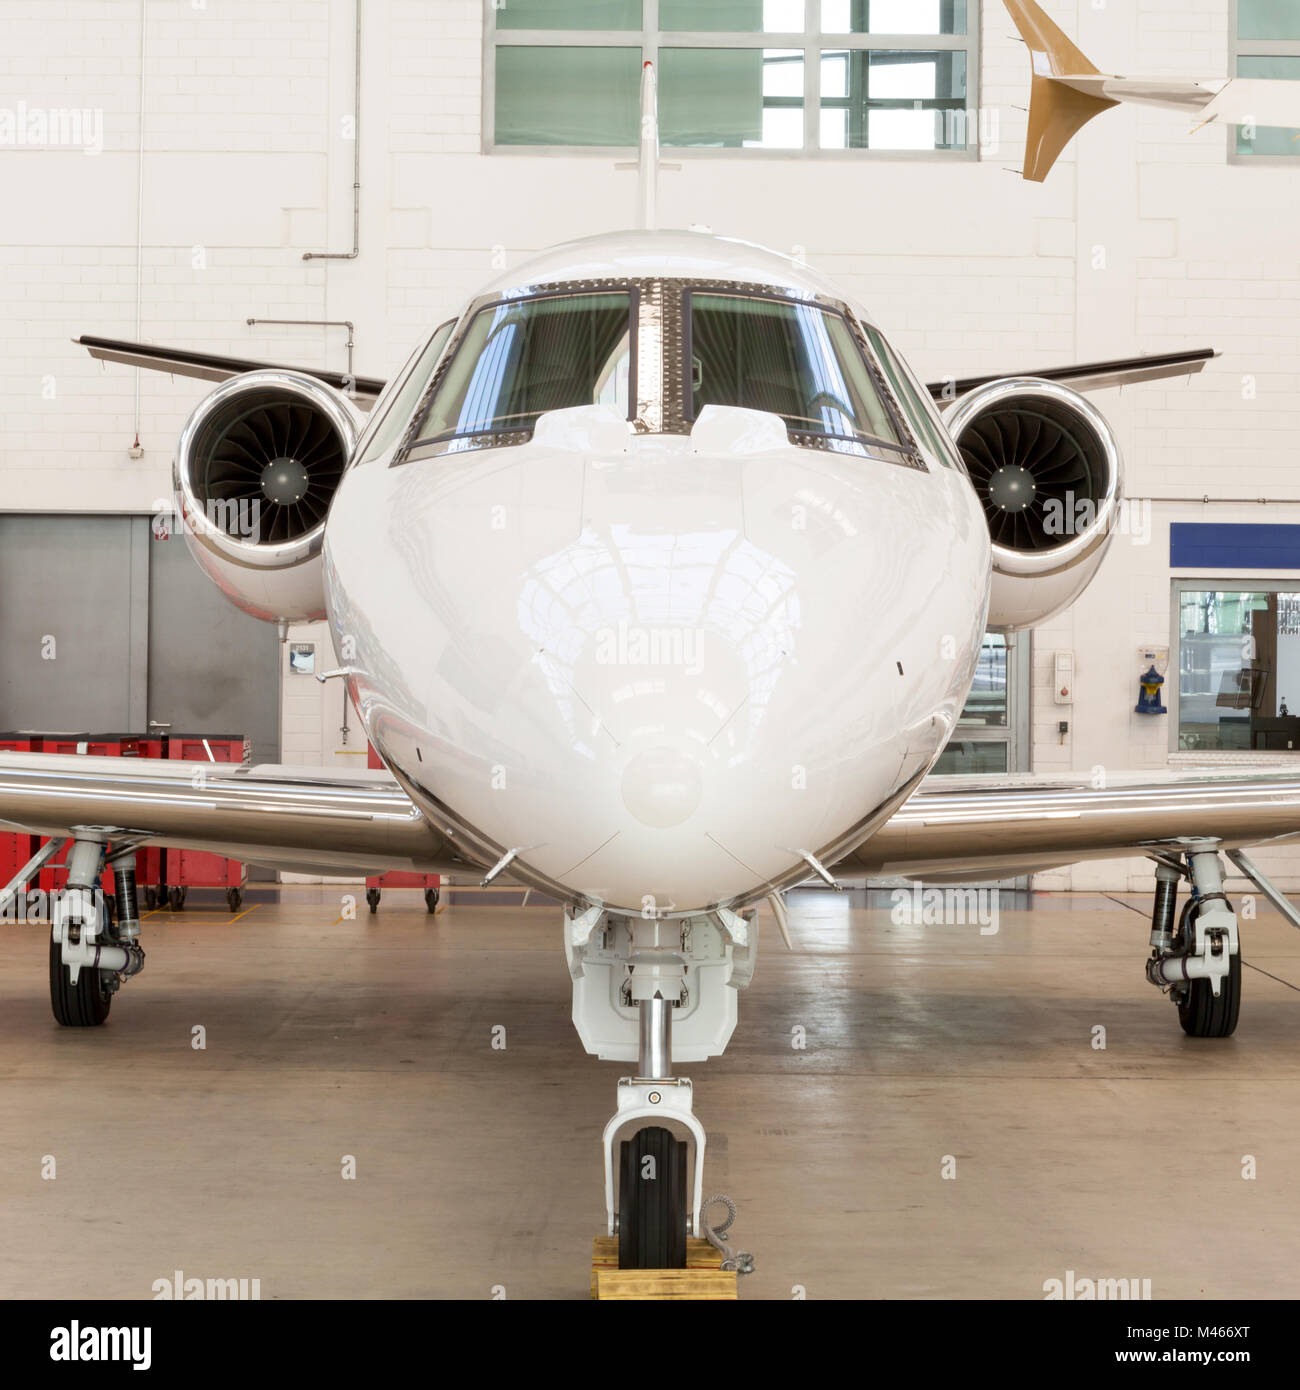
x,y
302,820
355,822
980,829
207,366
1090,376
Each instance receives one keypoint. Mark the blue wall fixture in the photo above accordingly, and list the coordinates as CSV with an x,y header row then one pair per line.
x,y
1231,546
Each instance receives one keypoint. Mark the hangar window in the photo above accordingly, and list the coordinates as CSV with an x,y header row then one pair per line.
x,y
1266,43
1238,681
794,359
890,76
523,357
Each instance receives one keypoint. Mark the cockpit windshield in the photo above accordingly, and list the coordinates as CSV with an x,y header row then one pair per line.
x,y
795,359
521,358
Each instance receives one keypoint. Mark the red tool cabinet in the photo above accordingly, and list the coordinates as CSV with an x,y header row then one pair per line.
x,y
15,849
54,874
162,875
148,861
399,878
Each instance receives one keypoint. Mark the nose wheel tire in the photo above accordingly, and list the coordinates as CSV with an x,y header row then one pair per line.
x,y
652,1201
1199,1012
83,1005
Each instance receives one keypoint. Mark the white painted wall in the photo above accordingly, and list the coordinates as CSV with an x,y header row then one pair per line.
x,y
1145,238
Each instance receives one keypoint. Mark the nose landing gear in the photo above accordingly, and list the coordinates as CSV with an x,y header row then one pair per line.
x,y
655,991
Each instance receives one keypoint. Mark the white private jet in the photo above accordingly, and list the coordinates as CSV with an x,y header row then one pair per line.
x,y
659,583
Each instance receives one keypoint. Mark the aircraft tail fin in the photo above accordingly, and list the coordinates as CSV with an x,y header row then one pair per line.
x,y
648,156
1057,110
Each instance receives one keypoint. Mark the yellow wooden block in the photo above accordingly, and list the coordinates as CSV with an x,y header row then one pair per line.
x,y
703,1276
660,1285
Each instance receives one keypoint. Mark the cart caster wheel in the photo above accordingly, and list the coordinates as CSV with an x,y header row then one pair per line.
x,y
150,899
431,899
372,897
176,898
234,899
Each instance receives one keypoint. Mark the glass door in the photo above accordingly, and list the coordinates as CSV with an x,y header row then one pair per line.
x,y
992,734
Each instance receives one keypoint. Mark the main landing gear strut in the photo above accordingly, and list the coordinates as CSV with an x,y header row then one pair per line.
x,y
94,947
1198,962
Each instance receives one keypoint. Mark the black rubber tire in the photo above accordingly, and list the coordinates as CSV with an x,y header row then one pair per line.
x,y
234,899
1199,1012
652,1210
150,899
176,898
83,1005
431,899
372,898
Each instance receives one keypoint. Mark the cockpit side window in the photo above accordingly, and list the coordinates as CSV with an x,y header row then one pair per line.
x,y
795,359
524,357
397,414
915,402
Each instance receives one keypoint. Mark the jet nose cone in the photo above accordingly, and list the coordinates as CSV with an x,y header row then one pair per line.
x,y
662,787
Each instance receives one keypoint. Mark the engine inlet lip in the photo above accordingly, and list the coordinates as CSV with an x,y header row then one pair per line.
x,y
192,512
1074,549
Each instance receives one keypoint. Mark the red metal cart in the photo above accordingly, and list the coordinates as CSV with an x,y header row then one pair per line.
x,y
15,849
399,878
148,861
191,868
54,875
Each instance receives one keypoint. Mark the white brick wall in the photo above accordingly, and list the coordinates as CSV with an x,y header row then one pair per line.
x,y
970,268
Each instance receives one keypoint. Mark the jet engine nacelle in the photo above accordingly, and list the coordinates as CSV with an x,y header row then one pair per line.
x,y
258,463
1048,471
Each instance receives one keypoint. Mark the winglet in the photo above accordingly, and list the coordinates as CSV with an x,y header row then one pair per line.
x,y
1057,112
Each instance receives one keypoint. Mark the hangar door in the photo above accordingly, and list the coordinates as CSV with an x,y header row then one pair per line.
x,y
104,629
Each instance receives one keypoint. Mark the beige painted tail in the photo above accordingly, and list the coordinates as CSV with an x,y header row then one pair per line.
x,y
1057,111
1068,92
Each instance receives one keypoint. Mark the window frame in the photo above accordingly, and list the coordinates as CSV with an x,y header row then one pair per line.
x,y
378,417
1223,582
1256,48
810,40
906,451
412,447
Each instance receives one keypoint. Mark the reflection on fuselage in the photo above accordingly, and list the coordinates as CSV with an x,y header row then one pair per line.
x,y
660,664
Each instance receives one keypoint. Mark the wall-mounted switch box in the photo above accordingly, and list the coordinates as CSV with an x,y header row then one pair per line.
x,y
1063,677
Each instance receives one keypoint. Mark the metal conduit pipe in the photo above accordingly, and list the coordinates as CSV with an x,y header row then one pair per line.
x,y
356,161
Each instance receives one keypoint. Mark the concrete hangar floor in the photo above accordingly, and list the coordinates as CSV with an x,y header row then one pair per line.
x,y
479,1166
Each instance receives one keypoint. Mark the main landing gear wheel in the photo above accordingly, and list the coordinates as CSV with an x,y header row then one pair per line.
x,y
1199,1012
652,1201
431,899
372,897
85,1004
